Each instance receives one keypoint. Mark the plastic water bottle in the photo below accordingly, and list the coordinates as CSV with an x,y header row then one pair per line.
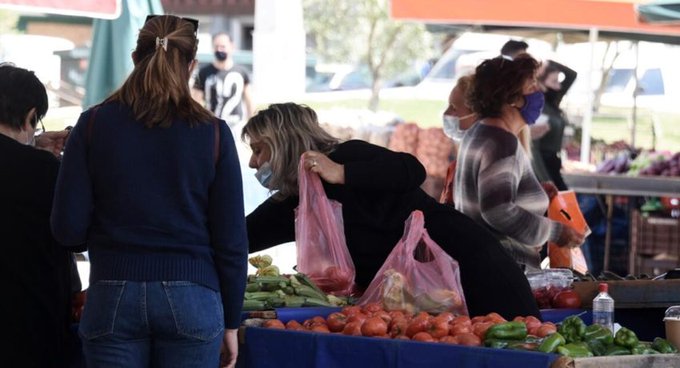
x,y
603,308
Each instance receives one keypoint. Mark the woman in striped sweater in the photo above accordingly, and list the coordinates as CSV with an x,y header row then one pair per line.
x,y
494,182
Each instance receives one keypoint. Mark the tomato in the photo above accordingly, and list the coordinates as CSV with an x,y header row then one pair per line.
x,y
372,308
462,319
398,327
294,325
273,323
396,314
336,321
546,329
418,324
320,328
374,326
448,316
460,328
495,318
533,324
480,328
567,299
357,317
449,340
469,339
353,328
478,319
422,336
518,319
438,328
351,310
384,315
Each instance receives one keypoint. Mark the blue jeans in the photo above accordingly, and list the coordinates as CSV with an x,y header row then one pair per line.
x,y
151,324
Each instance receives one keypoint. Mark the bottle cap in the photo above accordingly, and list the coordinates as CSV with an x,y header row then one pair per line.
x,y
603,287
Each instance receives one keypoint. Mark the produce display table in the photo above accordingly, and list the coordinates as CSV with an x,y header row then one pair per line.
x,y
620,185
261,347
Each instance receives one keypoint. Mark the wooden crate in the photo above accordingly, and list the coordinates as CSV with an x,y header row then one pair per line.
x,y
654,244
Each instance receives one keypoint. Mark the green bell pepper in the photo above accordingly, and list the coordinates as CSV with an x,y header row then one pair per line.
x,y
507,330
617,350
599,332
551,342
626,338
573,329
643,348
575,350
663,346
598,347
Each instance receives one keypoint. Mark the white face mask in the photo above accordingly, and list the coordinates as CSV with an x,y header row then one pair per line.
x,y
264,174
451,125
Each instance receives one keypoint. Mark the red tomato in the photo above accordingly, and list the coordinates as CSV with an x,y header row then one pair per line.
x,y
462,319
422,336
478,319
353,328
274,323
495,318
372,307
448,316
374,326
438,328
460,328
357,317
533,324
396,314
320,328
384,315
294,325
480,328
450,340
418,324
546,329
518,319
336,321
469,339
398,327
351,310
567,299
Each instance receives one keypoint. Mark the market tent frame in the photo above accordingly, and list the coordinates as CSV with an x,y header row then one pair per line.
x,y
610,18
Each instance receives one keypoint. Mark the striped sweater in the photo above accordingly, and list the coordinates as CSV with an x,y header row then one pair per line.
x,y
495,186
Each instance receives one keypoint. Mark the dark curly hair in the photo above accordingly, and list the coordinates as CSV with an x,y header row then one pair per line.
x,y
499,81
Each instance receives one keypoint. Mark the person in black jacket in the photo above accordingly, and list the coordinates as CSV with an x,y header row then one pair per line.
x,y
547,143
378,190
36,309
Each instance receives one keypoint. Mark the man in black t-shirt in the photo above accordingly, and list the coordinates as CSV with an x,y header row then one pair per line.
x,y
224,88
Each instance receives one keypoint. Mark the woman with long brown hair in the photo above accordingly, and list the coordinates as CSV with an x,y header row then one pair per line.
x,y
150,180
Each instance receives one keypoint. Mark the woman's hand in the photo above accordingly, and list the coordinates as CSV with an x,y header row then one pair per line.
x,y
53,142
328,170
229,351
550,189
570,238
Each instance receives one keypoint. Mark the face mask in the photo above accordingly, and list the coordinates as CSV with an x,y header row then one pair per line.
x,y
220,55
264,174
451,125
533,105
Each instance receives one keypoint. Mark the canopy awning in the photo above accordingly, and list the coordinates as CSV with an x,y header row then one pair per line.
x,y
103,9
614,18
660,11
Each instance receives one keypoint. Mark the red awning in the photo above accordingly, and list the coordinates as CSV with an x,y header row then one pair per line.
x,y
616,16
104,9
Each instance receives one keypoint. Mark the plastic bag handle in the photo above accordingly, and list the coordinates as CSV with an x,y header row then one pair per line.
x,y
312,182
413,231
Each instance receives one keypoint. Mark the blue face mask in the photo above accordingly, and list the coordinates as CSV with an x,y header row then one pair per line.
x,y
264,174
533,106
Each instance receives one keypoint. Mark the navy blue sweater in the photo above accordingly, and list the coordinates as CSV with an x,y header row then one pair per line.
x,y
152,204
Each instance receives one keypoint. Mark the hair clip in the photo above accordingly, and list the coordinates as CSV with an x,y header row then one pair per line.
x,y
163,42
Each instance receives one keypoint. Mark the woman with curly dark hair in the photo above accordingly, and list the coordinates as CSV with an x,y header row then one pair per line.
x,y
494,182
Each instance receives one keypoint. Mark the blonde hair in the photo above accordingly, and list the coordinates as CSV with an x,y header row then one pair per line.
x,y
288,130
157,90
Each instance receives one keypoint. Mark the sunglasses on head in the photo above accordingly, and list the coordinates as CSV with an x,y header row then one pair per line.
x,y
194,22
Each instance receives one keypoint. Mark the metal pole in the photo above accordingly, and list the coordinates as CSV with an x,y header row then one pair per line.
x,y
636,91
588,115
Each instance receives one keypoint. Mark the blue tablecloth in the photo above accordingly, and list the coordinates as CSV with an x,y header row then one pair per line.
x,y
282,348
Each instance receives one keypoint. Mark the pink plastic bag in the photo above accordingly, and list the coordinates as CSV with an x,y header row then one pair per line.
x,y
320,237
418,275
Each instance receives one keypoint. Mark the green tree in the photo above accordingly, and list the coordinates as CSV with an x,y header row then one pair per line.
x,y
348,31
